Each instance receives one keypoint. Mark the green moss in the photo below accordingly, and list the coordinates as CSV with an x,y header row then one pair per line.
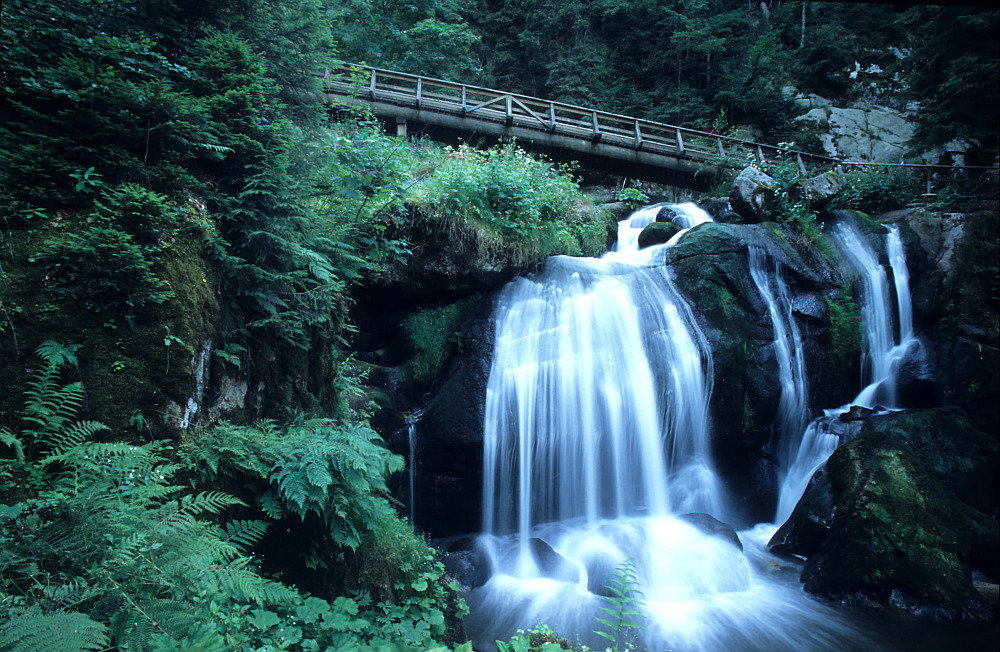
x,y
434,335
845,329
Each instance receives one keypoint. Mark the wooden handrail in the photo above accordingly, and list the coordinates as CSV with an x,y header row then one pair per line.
x,y
465,100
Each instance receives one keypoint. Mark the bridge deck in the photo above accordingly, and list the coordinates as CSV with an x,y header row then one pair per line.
x,y
631,146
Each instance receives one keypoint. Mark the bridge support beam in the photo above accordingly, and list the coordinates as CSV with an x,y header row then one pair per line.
x,y
401,127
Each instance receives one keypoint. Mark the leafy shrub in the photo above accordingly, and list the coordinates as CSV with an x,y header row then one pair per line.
x,y
330,481
105,266
110,261
790,204
507,201
873,191
633,197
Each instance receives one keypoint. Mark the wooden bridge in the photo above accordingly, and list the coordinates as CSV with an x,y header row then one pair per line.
x,y
624,145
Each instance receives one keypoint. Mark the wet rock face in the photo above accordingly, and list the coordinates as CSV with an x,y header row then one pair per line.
x,y
711,270
450,435
900,515
952,259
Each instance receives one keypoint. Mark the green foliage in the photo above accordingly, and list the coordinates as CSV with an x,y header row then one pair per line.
x,y
952,71
845,330
332,479
425,37
790,204
873,191
111,260
360,194
125,552
434,334
633,197
623,602
539,639
30,630
507,201
321,472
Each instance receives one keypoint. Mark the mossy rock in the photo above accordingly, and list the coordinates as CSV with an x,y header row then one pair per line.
x,y
903,532
657,233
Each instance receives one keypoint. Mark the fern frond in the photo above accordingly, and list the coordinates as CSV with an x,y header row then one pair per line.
x,y
245,534
136,625
58,355
69,438
12,441
31,631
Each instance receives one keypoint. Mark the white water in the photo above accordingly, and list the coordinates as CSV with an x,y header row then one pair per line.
x,y
880,358
596,437
793,409
411,419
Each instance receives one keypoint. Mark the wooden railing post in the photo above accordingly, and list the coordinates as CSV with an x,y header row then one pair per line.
x,y
680,143
419,90
509,118
638,136
552,116
802,166
596,136
371,86
465,106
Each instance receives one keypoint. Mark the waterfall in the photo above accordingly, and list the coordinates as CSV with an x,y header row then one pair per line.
x,y
596,442
597,394
880,357
792,406
411,419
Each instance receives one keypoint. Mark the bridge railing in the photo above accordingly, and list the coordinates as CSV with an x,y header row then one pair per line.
x,y
463,100
436,95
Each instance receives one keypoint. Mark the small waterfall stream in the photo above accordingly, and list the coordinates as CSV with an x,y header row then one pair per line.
x,y
880,358
793,409
596,445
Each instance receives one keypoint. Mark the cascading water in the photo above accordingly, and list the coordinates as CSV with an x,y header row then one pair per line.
x,y
410,419
596,438
793,411
881,355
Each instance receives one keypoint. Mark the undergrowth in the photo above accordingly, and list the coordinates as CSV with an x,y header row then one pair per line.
x,y
114,544
511,203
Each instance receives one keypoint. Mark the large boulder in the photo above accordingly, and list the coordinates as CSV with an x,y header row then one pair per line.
x,y
899,516
752,195
821,188
952,259
712,526
657,233
711,268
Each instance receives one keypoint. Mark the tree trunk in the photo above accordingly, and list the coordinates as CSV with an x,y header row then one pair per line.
x,y
802,38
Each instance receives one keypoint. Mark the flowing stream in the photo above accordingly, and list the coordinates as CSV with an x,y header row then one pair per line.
x,y
596,446
881,355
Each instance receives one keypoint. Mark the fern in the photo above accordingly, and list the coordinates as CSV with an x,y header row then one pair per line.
x,y
32,631
623,600
13,442
50,410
